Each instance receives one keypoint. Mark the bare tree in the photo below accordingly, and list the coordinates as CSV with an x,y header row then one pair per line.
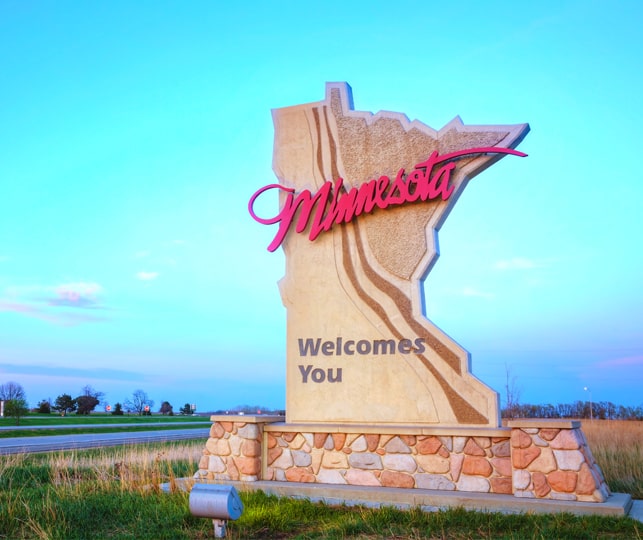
x,y
512,394
13,394
11,390
138,402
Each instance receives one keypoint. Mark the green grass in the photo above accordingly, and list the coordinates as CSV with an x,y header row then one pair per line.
x,y
65,425
97,418
7,434
112,493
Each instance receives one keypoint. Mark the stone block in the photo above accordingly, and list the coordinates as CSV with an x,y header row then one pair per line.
x,y
409,440
476,465
563,481
300,474
329,444
541,487
228,427
320,440
235,444
473,483
502,466
273,454
473,449
365,460
501,449
231,468
248,466
216,464
359,444
428,445
567,439
335,460
545,462
539,441
455,466
548,433
399,462
447,442
586,483
458,444
251,448
433,481
357,477
522,457
433,464
284,461
397,479
397,446
569,460
501,485
372,442
338,440
483,442
330,476
298,442
302,459
317,454
521,479
519,439
271,441
250,431
217,431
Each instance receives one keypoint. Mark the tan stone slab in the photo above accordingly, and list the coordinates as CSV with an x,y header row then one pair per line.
x,y
389,429
618,504
247,418
542,423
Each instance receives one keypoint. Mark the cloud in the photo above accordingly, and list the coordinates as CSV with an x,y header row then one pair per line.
x,y
623,361
78,295
517,263
63,304
147,276
42,313
65,371
470,291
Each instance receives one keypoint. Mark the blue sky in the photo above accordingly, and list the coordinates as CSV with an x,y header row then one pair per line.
x,y
132,135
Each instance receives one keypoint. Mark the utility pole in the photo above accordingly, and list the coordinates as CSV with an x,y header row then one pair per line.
x,y
591,412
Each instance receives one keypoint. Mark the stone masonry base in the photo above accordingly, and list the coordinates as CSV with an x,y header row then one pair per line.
x,y
538,459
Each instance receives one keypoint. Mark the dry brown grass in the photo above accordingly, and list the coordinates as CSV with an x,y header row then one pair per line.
x,y
617,446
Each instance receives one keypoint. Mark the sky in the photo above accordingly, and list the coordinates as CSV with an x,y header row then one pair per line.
x,y
132,135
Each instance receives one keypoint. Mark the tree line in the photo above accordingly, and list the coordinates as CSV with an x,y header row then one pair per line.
x,y
13,396
599,410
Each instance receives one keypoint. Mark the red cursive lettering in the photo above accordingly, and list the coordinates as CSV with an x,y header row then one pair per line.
x,y
334,204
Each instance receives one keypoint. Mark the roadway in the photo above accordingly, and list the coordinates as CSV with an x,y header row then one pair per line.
x,y
25,445
113,425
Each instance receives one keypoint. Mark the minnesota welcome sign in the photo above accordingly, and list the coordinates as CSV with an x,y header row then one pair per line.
x,y
362,197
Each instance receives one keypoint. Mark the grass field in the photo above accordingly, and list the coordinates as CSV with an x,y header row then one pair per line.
x,y
113,493
65,425
34,420
617,446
